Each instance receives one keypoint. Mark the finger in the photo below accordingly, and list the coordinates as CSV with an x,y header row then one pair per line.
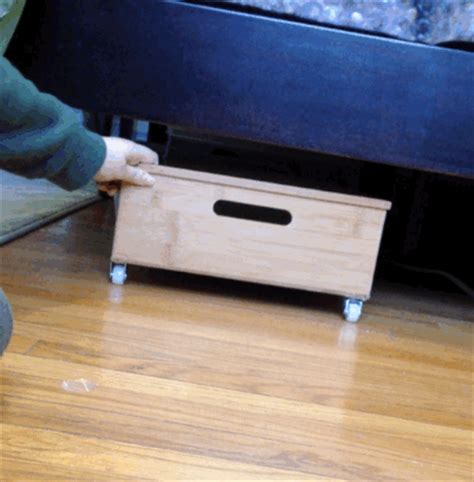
x,y
109,188
107,184
137,176
112,191
139,154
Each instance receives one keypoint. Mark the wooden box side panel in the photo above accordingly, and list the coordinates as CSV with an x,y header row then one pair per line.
x,y
328,247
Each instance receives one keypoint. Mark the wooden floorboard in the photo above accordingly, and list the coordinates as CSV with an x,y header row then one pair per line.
x,y
182,377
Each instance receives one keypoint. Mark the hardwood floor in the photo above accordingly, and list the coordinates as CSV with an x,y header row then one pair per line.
x,y
180,377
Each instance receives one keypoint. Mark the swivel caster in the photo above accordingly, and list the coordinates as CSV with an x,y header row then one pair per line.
x,y
352,309
118,274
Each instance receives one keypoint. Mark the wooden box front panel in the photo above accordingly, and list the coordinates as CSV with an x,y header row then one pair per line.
x,y
328,246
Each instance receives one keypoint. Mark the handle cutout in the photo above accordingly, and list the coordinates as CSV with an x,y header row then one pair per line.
x,y
252,212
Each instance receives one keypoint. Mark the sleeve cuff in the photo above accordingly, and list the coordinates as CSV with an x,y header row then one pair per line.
x,y
85,152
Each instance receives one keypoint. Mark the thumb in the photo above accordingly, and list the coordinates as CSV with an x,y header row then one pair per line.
x,y
139,154
139,177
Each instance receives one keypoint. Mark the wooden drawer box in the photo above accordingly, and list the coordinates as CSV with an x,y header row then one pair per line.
x,y
250,230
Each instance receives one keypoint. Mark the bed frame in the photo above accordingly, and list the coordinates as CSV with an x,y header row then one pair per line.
x,y
230,74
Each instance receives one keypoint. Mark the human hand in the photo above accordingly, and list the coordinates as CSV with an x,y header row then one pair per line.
x,y
120,158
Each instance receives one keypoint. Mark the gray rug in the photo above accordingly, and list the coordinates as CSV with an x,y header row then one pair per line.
x,y
26,204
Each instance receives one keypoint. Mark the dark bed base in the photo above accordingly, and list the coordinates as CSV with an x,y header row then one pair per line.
x,y
242,76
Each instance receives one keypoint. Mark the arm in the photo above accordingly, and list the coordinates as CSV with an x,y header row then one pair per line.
x,y
40,137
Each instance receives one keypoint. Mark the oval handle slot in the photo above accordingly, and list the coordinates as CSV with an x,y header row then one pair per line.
x,y
252,212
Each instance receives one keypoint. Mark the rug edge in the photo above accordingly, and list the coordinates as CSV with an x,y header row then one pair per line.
x,y
27,228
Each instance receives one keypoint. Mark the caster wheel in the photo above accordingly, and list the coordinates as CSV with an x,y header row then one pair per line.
x,y
118,274
352,310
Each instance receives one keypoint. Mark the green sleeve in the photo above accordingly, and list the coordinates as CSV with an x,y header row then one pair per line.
x,y
40,137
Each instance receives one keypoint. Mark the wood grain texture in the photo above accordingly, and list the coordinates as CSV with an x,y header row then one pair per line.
x,y
267,187
331,244
200,379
